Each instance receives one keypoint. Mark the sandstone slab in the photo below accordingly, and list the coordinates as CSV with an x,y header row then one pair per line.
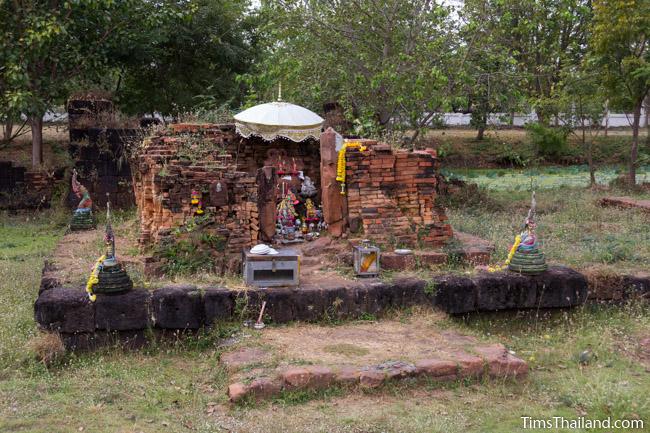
x,y
177,307
65,310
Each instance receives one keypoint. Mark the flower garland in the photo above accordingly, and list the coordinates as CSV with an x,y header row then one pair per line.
x,y
510,256
94,278
340,168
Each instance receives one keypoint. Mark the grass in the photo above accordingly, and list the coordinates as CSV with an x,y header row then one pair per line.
x,y
542,178
178,386
572,228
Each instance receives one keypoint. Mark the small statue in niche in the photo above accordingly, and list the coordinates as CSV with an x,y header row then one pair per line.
x,y
82,218
308,189
310,211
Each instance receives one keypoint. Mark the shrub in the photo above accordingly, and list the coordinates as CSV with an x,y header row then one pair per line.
x,y
548,142
511,157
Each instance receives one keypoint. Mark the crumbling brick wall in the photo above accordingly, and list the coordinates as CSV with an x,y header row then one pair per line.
x,y
391,196
164,183
26,189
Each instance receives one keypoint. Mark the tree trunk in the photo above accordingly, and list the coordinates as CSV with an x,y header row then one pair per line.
x,y
606,116
590,162
480,133
590,153
36,123
634,151
8,128
647,121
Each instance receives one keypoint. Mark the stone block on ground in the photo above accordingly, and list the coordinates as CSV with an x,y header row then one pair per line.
x,y
469,366
558,287
320,376
295,378
500,362
397,262
430,258
237,391
371,377
177,307
123,311
455,294
65,310
561,287
239,358
347,375
438,369
264,387
279,304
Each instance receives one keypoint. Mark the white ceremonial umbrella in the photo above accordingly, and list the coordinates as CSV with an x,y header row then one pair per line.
x,y
279,119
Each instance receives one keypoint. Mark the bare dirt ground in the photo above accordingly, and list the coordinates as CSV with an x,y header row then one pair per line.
x,y
75,254
365,343
55,147
422,335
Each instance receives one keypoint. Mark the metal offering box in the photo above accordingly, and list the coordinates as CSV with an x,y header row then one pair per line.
x,y
267,270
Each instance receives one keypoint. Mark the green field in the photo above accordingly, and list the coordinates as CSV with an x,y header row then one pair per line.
x,y
542,178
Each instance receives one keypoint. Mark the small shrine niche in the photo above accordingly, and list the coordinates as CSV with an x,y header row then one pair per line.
x,y
288,180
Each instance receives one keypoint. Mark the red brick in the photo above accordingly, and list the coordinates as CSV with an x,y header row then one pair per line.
x,y
437,368
500,362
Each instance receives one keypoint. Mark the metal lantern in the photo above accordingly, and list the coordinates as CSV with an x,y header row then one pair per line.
x,y
366,259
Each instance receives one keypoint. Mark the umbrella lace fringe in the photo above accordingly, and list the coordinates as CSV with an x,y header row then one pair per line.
x,y
270,133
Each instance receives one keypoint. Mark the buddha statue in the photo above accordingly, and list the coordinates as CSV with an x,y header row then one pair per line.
x,y
112,276
82,218
527,258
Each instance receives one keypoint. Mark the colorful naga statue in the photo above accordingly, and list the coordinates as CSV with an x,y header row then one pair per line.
x,y
525,257
82,218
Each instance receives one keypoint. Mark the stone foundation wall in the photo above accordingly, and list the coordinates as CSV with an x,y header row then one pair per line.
x,y
391,196
68,310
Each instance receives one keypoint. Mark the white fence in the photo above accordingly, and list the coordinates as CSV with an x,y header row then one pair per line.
x,y
611,120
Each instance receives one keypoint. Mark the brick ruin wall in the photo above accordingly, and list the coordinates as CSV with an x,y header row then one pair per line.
x,y
99,153
21,188
391,197
164,180
164,184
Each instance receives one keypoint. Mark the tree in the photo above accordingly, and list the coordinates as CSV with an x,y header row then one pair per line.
x,y
486,80
582,109
543,36
47,46
381,59
199,50
620,42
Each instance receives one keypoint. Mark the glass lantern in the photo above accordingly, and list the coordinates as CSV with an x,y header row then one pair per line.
x,y
366,259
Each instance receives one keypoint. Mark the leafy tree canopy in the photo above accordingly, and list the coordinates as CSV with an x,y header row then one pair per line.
x,y
382,59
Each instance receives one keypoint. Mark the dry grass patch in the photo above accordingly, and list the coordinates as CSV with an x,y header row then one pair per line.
x,y
47,347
